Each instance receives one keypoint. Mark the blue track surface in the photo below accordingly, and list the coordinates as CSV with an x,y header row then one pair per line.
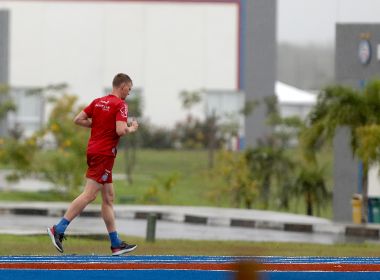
x,y
114,275
185,259
176,274
182,274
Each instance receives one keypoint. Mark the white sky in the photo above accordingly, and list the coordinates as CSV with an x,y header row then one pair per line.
x,y
313,21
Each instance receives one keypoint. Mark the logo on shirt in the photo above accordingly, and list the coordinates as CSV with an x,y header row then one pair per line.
x,y
103,104
124,111
105,175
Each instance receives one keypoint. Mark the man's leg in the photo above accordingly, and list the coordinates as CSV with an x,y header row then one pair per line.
x,y
89,194
118,247
108,196
86,197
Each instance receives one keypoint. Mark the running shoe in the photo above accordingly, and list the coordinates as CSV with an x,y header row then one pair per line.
x,y
122,249
56,238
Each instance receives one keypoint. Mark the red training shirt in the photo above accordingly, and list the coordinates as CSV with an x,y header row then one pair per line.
x,y
105,111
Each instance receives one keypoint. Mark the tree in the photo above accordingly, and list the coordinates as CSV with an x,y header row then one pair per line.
x,y
358,110
212,128
369,143
19,155
14,151
269,161
310,185
190,99
65,165
131,142
218,130
191,134
6,103
238,183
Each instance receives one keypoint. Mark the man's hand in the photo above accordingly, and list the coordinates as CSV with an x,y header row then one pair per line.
x,y
133,126
123,128
83,120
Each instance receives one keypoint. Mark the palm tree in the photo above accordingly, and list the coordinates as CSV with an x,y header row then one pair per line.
x,y
344,106
369,142
310,185
262,161
269,161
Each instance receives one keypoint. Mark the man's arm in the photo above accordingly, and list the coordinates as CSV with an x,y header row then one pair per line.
x,y
122,127
83,120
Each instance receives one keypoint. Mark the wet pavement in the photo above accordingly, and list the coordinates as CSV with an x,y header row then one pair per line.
x,y
178,222
25,224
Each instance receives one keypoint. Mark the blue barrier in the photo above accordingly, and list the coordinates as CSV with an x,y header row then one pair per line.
x,y
185,267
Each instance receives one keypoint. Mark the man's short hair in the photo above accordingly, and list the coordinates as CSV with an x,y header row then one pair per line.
x,y
120,79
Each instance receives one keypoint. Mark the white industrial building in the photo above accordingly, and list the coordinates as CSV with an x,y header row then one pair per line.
x,y
165,47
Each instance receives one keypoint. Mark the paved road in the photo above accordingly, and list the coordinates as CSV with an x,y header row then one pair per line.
x,y
19,224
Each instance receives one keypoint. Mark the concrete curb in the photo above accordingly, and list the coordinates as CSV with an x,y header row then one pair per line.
x,y
206,216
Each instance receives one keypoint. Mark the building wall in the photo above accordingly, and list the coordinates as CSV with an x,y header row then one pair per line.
x,y
4,57
351,72
165,47
260,63
4,46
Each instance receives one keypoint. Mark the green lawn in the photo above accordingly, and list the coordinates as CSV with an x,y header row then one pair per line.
x,y
189,167
193,187
41,245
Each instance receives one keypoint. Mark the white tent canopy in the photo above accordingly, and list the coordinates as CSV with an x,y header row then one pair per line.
x,y
287,94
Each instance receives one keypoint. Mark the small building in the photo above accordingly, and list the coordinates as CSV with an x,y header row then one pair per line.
x,y
294,101
227,105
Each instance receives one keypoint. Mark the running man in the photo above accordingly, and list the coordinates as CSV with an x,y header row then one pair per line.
x,y
107,118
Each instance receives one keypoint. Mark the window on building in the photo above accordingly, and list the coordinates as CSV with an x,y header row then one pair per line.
x,y
28,117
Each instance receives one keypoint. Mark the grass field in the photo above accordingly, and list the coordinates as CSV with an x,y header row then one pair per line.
x,y
193,184
41,245
153,167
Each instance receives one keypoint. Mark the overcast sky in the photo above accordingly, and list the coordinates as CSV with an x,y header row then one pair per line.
x,y
313,21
